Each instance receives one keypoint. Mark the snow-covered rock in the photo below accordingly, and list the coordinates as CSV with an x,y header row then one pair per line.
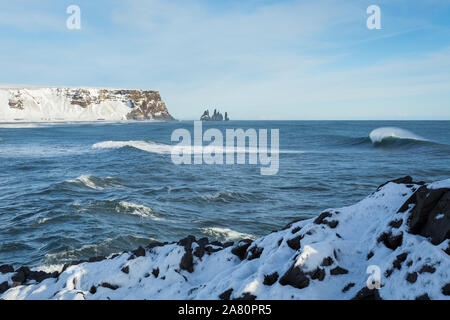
x,y
36,104
386,246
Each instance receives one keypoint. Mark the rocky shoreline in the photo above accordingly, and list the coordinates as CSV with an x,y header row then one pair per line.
x,y
403,229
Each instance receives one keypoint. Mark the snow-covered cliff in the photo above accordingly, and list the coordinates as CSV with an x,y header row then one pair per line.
x,y
37,104
396,241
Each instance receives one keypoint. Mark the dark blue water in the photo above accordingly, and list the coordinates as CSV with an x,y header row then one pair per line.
x,y
61,199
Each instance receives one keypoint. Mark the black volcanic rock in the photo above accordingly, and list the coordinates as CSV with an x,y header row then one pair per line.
x,y
246,297
391,241
328,261
423,297
4,286
348,287
318,274
270,279
295,277
430,216
96,259
139,252
367,294
397,264
446,289
241,249
427,269
411,277
338,270
6,269
226,294
187,261
254,253
321,219
109,286
294,243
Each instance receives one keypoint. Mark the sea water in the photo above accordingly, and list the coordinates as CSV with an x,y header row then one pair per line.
x,y
73,191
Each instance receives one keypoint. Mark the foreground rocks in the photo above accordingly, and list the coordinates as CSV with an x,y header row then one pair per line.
x,y
401,231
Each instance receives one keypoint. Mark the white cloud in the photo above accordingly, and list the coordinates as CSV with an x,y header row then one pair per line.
x,y
265,59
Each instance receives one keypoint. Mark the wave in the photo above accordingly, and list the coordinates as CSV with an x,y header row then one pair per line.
x,y
118,207
104,248
390,134
226,234
22,125
149,146
227,197
137,210
95,183
161,148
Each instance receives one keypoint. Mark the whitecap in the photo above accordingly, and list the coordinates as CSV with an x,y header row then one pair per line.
x,y
161,148
137,210
381,134
95,183
226,234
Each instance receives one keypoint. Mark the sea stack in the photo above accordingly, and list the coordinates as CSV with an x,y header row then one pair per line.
x,y
217,116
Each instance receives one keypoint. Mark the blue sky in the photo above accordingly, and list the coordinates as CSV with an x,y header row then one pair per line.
x,y
255,59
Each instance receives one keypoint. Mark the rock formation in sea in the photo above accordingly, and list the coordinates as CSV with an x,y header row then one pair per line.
x,y
394,244
80,104
217,116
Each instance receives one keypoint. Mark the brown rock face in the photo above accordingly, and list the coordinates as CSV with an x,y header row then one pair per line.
x,y
15,102
146,105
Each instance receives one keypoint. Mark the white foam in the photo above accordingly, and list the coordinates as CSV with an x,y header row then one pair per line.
x,y
22,125
151,147
95,183
44,220
161,148
137,210
226,196
34,150
226,233
380,134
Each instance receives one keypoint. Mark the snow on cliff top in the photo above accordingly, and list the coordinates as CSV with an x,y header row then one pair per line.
x,y
328,257
35,87
62,104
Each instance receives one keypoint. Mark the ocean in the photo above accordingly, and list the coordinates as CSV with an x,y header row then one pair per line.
x,y
73,191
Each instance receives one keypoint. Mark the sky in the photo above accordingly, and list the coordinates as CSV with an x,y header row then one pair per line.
x,y
255,59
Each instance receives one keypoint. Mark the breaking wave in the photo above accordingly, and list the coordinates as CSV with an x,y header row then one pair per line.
x,y
105,248
226,234
149,146
161,148
95,183
390,134
227,197
137,210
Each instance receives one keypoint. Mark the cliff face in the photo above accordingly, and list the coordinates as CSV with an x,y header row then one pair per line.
x,y
80,104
